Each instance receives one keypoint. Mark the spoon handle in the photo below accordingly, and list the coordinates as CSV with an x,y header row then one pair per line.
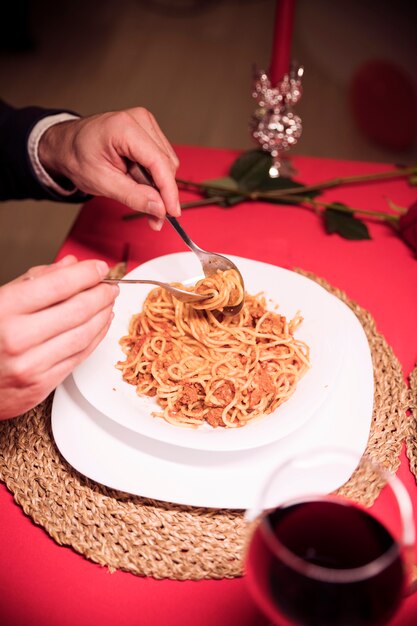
x,y
186,239
143,177
140,174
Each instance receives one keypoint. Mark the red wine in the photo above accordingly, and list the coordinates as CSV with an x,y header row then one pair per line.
x,y
339,537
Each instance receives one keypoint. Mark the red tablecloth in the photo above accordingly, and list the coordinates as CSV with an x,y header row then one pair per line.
x,y
42,584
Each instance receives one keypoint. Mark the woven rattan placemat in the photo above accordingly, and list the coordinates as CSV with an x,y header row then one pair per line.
x,y
411,440
152,538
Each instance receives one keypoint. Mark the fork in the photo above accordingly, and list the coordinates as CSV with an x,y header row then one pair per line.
x,y
179,294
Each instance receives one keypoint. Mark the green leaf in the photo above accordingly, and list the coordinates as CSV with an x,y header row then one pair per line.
x,y
273,184
251,172
412,180
229,185
251,168
345,224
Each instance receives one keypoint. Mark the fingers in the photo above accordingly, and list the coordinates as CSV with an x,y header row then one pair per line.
x,y
33,329
52,287
92,153
144,150
48,324
137,197
39,360
155,223
60,371
28,388
142,141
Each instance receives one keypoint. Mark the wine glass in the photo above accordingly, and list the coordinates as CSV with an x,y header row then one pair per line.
x,y
316,558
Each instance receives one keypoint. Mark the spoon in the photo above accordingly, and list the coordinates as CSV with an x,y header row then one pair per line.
x,y
211,262
179,294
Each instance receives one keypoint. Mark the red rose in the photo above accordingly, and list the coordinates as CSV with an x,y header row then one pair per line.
x,y
408,227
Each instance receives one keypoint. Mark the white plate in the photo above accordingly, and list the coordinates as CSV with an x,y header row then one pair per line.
x,y
323,329
110,454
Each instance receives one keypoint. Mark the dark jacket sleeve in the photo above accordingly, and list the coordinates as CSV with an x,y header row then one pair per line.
x,y
17,177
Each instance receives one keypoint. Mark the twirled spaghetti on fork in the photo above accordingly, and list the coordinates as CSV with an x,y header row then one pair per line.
x,y
202,366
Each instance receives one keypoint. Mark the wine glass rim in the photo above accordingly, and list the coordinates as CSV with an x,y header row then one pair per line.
x,y
331,574
321,572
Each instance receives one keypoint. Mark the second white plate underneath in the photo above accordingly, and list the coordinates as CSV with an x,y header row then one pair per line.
x,y
117,457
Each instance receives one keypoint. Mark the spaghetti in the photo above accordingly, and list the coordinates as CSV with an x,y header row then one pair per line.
x,y
202,366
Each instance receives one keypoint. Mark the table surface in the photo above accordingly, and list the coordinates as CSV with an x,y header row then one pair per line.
x,y
43,584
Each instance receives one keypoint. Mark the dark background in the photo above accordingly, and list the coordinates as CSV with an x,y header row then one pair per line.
x,y
190,62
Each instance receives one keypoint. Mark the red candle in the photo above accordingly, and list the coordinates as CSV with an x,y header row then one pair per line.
x,y
281,43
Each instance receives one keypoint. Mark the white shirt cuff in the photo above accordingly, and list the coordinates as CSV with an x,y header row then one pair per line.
x,y
33,144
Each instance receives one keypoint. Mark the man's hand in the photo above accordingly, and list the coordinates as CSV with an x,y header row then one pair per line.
x,y
91,152
51,318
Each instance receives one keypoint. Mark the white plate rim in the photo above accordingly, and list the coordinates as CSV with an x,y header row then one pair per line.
x,y
292,415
